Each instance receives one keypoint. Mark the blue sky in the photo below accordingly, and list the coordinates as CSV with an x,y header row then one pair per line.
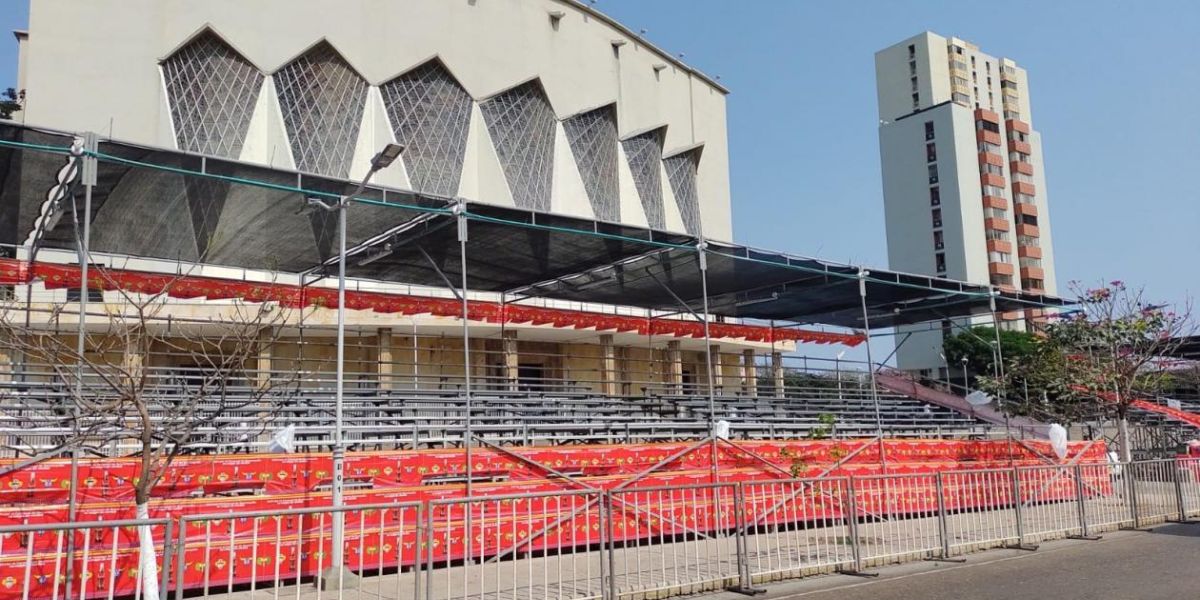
x,y
1114,86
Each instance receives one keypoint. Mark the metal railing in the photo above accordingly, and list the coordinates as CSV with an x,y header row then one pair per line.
x,y
625,542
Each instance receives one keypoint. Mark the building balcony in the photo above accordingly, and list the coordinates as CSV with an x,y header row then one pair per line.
x,y
1017,125
1028,251
999,246
1032,273
1025,208
991,179
997,224
1019,146
1000,268
1017,166
991,137
1021,187
1025,229
995,202
989,158
983,114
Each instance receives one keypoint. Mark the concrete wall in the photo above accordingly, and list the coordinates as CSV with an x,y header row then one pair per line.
x,y
95,66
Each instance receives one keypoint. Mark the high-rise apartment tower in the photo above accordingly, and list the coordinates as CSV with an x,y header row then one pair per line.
x,y
963,181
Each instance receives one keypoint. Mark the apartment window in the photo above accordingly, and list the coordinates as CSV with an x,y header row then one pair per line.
x,y
1016,156
961,98
989,148
995,213
937,217
916,100
1024,198
958,65
939,240
992,190
1018,135
914,84
988,66
993,234
1022,177
912,67
912,50
1032,284
1031,262
928,130
1029,241
987,126
1008,84
939,260
992,169
999,257
1029,220
959,81
972,61
1012,114
958,49
935,196
1005,280
933,176
931,152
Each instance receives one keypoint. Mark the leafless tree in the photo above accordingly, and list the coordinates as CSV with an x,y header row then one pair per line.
x,y
107,397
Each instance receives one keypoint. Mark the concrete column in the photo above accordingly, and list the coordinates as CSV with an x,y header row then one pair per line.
x,y
512,359
749,373
608,366
673,376
385,368
715,371
777,373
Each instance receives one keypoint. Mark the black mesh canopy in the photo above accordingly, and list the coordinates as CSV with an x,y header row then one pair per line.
x,y
171,205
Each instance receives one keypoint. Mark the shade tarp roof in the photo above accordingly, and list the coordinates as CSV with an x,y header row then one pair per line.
x,y
171,205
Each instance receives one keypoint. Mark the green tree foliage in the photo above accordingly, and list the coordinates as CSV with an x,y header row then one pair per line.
x,y
1095,361
977,343
10,103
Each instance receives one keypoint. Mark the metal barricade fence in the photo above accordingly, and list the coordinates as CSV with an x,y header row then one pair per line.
x,y
980,511
100,559
795,527
1154,494
898,517
1104,497
1049,500
594,544
541,545
265,552
673,539
1189,486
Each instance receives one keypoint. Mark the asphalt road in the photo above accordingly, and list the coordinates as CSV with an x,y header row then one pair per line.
x,y
1163,563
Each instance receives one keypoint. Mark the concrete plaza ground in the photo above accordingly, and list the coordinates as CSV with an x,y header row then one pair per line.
x,y
1155,564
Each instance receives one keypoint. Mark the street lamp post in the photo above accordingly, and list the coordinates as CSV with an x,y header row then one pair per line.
x,y
381,161
966,381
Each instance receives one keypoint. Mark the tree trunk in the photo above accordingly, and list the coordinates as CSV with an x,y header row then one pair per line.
x,y
1123,438
147,557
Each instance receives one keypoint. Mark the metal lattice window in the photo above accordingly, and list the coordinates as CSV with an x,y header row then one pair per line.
x,y
322,98
681,172
593,139
522,125
644,153
212,91
430,114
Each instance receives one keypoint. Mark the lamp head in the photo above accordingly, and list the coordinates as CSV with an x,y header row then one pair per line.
x,y
386,157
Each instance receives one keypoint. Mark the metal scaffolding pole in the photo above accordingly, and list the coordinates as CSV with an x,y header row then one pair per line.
x,y
862,294
460,211
701,250
998,368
